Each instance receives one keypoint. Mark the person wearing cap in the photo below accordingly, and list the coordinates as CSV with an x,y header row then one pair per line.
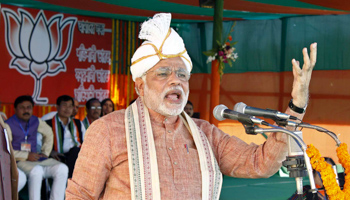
x,y
154,150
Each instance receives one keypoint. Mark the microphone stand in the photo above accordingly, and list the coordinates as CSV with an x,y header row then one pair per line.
x,y
318,128
250,129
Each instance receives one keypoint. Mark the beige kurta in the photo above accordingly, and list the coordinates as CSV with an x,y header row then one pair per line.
x,y
102,166
47,141
46,148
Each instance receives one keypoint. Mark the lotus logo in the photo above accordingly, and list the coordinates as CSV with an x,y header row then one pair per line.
x,y
39,47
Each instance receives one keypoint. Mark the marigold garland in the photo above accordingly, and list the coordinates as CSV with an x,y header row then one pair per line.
x,y
327,174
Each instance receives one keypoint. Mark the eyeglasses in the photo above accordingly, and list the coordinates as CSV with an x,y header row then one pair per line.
x,y
163,73
94,108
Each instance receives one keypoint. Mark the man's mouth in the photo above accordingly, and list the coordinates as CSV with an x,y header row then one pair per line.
x,y
174,96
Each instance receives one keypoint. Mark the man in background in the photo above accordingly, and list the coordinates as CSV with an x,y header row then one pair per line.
x,y
68,133
36,165
93,110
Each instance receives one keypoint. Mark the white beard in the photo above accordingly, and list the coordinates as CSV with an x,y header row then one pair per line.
x,y
155,102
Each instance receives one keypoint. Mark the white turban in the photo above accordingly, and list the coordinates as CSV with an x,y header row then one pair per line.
x,y
162,42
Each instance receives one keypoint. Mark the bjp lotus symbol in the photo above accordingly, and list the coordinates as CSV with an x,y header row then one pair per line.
x,y
39,47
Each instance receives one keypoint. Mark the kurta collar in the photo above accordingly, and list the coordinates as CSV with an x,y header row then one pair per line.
x,y
162,120
59,119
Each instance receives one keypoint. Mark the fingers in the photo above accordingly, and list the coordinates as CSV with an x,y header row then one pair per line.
x,y
306,59
43,155
296,68
313,54
309,62
56,158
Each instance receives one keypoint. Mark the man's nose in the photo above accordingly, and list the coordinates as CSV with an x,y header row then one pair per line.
x,y
174,79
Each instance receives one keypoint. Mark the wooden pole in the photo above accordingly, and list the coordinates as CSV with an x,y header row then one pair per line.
x,y
215,90
215,76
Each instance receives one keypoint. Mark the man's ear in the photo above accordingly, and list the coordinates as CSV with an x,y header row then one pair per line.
x,y
140,84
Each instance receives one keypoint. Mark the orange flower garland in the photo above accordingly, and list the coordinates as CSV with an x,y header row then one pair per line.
x,y
343,155
327,174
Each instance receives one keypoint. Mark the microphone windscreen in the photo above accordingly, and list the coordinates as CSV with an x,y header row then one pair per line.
x,y
218,112
239,107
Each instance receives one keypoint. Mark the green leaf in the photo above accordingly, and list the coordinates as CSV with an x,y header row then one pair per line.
x,y
209,53
219,43
229,61
233,43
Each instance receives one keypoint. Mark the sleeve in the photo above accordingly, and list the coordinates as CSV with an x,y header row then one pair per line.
x,y
19,155
94,163
46,131
239,159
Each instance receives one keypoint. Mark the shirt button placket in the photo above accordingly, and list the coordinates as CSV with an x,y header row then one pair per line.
x,y
170,132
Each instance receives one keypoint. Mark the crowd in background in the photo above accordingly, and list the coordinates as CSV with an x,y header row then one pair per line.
x,y
48,147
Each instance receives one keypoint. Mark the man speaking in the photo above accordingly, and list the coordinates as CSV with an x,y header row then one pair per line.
x,y
154,150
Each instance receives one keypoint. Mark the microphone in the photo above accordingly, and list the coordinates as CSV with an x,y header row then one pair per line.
x,y
295,162
221,112
267,113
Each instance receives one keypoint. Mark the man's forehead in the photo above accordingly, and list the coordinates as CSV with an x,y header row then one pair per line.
x,y
170,62
25,103
95,102
66,102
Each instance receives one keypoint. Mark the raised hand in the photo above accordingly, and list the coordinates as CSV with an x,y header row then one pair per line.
x,y
302,77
